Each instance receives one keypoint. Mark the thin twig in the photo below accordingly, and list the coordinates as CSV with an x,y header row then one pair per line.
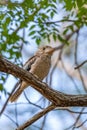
x,y
44,118
43,123
31,102
78,66
11,119
74,125
57,61
3,108
16,114
58,21
76,61
81,124
70,77
69,110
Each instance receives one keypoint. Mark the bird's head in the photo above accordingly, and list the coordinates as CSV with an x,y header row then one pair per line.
x,y
45,50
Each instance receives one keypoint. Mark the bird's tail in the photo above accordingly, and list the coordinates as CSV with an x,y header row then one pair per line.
x,y
15,95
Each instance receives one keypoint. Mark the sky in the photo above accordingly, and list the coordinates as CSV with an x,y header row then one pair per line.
x,y
54,119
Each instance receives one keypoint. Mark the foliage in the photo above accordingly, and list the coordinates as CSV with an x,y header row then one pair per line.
x,y
39,18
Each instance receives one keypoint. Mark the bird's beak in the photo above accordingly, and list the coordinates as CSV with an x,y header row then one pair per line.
x,y
51,50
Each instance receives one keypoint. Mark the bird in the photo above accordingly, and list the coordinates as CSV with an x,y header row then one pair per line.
x,y
39,65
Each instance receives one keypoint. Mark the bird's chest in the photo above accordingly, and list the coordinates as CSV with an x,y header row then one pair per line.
x,y
41,67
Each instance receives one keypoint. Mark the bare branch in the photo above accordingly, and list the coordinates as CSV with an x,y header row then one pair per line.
x,y
78,66
58,21
3,108
78,117
36,117
81,124
76,61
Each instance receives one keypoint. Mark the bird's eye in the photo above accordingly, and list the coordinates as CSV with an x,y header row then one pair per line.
x,y
43,48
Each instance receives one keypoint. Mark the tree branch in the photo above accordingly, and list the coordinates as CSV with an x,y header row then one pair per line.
x,y
78,66
56,97
36,117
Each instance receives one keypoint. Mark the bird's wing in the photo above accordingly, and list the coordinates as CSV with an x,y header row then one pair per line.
x,y
28,64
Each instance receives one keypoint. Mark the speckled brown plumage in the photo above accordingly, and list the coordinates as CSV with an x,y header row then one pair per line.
x,y
38,65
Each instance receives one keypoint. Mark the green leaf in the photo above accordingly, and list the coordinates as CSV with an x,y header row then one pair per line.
x,y
33,26
18,54
32,33
52,14
3,47
60,38
69,4
64,41
1,87
79,3
54,37
65,31
38,40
